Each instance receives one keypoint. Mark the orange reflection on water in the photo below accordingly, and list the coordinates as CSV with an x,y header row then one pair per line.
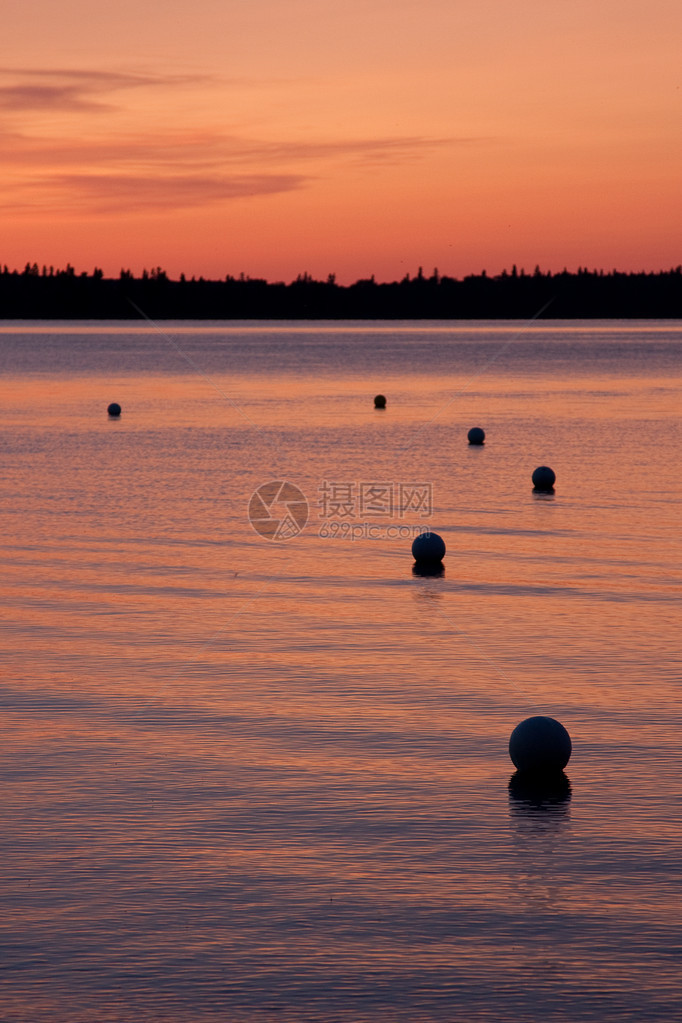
x,y
237,765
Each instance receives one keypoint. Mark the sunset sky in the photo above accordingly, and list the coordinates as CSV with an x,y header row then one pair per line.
x,y
364,137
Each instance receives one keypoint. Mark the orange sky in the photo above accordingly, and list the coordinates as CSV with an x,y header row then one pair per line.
x,y
372,136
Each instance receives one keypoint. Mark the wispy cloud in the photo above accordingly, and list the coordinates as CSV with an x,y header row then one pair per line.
x,y
190,149
30,89
175,172
372,150
111,166
112,193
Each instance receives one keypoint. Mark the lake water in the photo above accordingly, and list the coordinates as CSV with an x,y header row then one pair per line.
x,y
249,779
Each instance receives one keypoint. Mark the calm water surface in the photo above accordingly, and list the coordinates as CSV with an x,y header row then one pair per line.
x,y
248,779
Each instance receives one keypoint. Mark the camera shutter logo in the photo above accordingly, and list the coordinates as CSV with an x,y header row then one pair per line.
x,y
278,510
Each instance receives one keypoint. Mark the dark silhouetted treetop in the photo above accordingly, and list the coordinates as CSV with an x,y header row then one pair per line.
x,y
515,294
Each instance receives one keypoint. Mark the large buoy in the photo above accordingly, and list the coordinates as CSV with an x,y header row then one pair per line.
x,y
380,401
544,478
476,435
428,548
540,745
114,409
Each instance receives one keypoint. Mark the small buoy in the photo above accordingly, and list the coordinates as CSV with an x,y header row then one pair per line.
x,y
540,745
544,478
428,548
380,401
476,435
114,409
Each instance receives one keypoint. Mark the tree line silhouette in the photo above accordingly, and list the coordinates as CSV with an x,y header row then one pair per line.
x,y
49,293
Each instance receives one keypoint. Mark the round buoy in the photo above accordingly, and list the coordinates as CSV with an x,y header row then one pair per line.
x,y
476,435
544,478
114,409
380,401
540,745
428,548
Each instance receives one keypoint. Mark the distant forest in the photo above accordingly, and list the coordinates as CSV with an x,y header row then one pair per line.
x,y
45,293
